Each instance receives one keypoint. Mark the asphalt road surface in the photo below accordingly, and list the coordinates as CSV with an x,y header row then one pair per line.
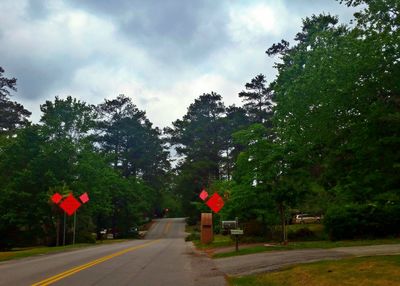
x,y
163,258
274,260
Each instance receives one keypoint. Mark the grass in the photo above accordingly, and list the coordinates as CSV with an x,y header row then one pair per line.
x,y
16,253
315,227
371,271
219,241
306,245
223,241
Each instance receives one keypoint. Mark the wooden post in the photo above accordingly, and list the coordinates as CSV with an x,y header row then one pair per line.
x,y
237,242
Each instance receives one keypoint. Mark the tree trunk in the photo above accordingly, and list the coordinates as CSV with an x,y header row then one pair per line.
x,y
283,223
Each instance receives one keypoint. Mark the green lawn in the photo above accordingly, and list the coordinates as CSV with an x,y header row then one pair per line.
x,y
314,227
219,241
32,251
305,245
371,271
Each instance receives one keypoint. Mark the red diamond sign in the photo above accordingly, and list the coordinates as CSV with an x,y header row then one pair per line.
x,y
56,198
70,205
84,198
215,203
203,195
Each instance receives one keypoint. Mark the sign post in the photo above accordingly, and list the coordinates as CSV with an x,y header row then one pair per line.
x,y
65,222
69,205
236,233
73,237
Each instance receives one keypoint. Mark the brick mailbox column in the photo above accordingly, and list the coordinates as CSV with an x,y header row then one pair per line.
x,y
206,228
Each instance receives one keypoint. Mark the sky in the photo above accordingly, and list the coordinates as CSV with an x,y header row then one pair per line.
x,y
163,54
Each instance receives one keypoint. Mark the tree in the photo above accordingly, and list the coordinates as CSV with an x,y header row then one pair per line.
x,y
199,139
69,119
125,134
198,135
258,99
337,97
60,154
235,119
12,114
267,173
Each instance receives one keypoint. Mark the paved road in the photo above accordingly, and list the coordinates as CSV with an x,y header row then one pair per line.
x,y
270,261
163,258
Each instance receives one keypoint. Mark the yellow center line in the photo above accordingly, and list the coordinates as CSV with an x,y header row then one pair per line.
x,y
166,228
74,270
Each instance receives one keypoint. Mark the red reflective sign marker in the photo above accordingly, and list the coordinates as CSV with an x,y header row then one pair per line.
x,y
203,195
70,205
56,198
215,203
84,198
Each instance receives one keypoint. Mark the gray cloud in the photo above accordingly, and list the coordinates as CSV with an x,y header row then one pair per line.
x,y
172,30
162,53
37,9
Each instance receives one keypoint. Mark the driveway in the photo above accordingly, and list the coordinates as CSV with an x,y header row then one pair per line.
x,y
274,260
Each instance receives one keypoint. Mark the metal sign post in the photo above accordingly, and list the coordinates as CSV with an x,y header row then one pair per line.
x,y
236,232
69,205
65,222
73,237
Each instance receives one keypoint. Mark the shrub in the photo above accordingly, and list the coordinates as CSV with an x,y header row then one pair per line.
x,y
362,221
193,236
302,234
85,237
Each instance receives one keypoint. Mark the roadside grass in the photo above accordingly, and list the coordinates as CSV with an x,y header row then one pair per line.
x,y
317,229
17,253
377,270
222,241
314,227
219,241
325,244
190,228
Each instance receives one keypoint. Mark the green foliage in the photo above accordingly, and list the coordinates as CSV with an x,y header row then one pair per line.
x,y
128,138
193,236
337,95
362,221
60,155
331,137
258,100
12,114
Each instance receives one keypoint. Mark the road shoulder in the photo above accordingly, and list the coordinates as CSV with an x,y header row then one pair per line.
x,y
205,271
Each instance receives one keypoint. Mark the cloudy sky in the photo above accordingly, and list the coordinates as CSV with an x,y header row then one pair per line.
x,y
161,53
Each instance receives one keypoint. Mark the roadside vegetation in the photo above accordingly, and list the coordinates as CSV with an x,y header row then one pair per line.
x,y
324,244
321,138
380,270
16,253
303,236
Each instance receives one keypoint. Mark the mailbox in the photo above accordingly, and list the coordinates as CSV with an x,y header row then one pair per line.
x,y
227,225
206,228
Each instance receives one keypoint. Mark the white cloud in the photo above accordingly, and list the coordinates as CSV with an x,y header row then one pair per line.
x,y
172,103
83,53
255,22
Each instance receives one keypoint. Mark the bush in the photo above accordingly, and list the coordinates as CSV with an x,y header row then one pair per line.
x,y
193,236
302,234
254,228
192,220
85,237
362,221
